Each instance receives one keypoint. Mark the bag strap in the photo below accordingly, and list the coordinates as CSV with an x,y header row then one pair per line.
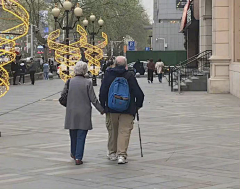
x,y
127,75
68,84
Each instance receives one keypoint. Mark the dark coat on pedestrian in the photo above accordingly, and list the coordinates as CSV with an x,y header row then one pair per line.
x,y
22,68
151,66
136,93
32,67
79,110
14,67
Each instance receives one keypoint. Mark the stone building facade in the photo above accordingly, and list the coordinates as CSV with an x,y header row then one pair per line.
x,y
220,32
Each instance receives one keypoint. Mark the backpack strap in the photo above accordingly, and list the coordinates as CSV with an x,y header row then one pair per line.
x,y
127,75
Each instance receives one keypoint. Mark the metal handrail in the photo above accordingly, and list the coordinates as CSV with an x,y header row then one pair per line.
x,y
183,72
192,59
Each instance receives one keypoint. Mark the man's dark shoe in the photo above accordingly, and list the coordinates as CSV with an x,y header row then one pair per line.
x,y
72,156
78,162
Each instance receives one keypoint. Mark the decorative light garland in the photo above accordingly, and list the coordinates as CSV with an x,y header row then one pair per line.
x,y
73,50
61,51
93,53
8,54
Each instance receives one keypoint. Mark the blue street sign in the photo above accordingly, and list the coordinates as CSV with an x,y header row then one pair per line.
x,y
147,48
131,45
46,30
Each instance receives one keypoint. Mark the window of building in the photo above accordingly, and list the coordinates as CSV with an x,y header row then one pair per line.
x,y
237,30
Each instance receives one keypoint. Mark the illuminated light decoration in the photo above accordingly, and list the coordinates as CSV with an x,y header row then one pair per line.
x,y
93,53
73,50
8,54
61,52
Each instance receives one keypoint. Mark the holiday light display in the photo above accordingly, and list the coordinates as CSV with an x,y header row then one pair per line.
x,y
93,53
62,52
7,45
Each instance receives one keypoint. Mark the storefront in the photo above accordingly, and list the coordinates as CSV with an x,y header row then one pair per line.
x,y
190,29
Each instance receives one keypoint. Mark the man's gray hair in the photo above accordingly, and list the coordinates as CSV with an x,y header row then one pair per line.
x,y
80,68
121,61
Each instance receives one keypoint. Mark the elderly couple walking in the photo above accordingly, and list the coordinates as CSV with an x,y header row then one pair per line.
x,y
120,110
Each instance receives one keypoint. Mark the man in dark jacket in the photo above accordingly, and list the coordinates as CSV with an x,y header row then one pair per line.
x,y
121,122
22,69
15,70
32,70
151,69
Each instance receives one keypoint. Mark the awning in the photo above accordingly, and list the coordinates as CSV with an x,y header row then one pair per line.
x,y
184,17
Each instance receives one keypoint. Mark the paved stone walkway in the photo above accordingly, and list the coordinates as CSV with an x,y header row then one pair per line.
x,y
190,141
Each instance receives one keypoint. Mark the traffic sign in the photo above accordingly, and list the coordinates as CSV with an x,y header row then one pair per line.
x,y
147,49
131,45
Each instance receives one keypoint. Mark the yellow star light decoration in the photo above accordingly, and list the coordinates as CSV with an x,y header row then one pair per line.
x,y
73,50
8,53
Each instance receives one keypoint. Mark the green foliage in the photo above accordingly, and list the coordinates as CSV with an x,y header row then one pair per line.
x,y
125,17
122,17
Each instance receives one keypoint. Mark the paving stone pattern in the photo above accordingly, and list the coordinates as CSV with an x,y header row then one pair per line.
x,y
190,141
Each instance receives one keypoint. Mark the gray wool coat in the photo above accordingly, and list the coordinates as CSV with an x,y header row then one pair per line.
x,y
79,110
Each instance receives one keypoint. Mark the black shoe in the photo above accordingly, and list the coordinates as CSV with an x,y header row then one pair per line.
x,y
78,162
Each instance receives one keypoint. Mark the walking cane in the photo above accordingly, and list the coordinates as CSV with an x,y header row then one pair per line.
x,y
139,131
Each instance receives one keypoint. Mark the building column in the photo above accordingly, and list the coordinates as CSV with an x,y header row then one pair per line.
x,y
205,14
220,60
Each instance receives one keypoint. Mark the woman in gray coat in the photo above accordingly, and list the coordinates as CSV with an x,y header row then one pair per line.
x,y
79,110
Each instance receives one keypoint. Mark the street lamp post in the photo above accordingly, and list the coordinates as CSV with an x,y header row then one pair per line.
x,y
67,5
93,33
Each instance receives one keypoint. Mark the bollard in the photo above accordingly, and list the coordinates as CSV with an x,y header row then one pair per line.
x,y
169,75
179,81
172,80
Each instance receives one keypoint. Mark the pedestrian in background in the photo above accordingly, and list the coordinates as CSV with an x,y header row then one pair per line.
x,y
159,67
151,69
32,70
22,72
46,70
121,120
50,64
15,71
79,110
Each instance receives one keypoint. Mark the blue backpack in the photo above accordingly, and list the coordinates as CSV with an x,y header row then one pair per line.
x,y
119,95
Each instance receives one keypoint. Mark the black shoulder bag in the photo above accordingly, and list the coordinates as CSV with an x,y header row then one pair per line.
x,y
63,99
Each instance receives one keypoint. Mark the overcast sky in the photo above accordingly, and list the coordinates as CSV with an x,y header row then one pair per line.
x,y
148,5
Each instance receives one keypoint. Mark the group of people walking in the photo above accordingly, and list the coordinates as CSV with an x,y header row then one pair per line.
x,y
158,68
22,68
120,98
